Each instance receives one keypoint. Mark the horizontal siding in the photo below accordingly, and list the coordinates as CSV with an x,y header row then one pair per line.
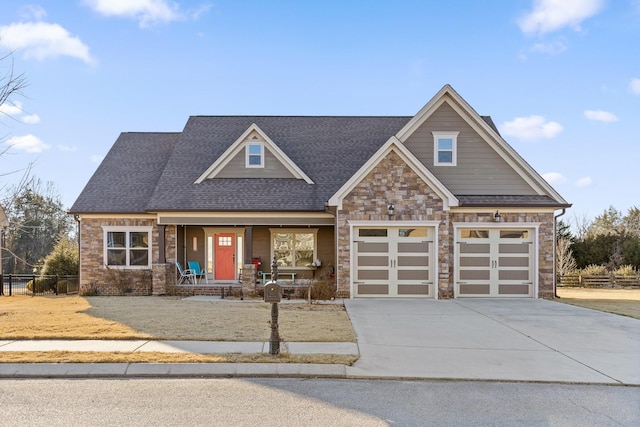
x,y
479,171
273,168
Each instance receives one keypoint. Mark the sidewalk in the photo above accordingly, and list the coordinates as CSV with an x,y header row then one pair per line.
x,y
203,347
71,370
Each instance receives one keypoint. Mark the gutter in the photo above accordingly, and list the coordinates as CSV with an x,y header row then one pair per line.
x,y
555,246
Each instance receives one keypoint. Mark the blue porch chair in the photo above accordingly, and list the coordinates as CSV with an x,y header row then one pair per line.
x,y
186,276
194,266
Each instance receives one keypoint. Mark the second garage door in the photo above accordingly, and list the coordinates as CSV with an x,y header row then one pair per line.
x,y
495,262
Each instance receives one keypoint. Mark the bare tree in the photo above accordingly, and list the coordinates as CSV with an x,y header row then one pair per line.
x,y
11,84
565,263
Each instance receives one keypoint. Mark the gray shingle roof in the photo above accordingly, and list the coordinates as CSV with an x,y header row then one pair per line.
x,y
126,178
508,201
328,149
148,172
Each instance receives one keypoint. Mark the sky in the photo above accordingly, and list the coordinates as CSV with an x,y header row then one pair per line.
x,y
560,78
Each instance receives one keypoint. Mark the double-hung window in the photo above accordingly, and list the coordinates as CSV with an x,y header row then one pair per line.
x,y
127,246
254,155
294,248
445,148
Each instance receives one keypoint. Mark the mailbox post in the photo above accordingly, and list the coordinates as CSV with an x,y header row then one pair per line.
x,y
273,294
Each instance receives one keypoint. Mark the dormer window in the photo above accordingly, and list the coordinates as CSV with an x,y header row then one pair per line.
x,y
445,148
254,157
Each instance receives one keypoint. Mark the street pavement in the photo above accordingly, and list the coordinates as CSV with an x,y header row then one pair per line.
x,y
529,340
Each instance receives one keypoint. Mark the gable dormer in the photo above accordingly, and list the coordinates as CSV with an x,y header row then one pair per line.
x,y
254,155
466,152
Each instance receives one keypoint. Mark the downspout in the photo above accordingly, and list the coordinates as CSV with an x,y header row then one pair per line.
x,y
77,218
555,246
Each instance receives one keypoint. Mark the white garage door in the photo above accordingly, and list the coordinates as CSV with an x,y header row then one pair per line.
x,y
393,261
495,262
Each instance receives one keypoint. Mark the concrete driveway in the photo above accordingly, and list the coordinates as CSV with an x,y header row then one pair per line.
x,y
493,339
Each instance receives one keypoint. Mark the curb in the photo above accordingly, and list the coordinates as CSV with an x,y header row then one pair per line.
x,y
170,370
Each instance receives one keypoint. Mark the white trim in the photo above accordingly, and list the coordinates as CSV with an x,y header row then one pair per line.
x,y
437,136
393,144
295,231
493,138
248,154
210,232
241,214
127,229
240,143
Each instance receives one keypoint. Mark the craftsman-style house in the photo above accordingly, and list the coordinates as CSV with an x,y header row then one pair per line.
x,y
437,205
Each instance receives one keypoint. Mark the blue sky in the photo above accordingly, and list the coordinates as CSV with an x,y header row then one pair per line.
x,y
560,78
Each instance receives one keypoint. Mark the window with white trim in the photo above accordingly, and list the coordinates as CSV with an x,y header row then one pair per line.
x,y
127,246
254,155
445,148
294,248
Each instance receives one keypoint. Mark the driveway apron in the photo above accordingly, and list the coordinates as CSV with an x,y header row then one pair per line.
x,y
493,339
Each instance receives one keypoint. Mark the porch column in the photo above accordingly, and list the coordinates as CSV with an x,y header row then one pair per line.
x,y
161,244
248,245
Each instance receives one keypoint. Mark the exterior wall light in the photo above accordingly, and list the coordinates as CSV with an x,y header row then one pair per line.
x,y
391,210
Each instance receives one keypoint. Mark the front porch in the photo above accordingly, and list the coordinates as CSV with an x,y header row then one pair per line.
x,y
238,258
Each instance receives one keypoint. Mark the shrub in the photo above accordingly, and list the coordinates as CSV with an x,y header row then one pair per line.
x,y
63,260
595,270
626,270
44,284
323,290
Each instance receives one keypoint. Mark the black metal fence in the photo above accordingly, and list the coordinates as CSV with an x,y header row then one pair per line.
x,y
32,285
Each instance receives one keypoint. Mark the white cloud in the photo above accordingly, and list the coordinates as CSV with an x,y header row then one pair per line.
x,y
553,48
635,86
28,143
66,148
601,116
30,11
532,127
11,108
584,182
551,15
31,119
42,40
554,178
14,109
147,12
95,158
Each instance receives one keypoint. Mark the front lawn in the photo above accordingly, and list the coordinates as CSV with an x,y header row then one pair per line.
x,y
625,302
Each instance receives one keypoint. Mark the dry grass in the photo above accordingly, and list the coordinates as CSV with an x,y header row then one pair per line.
x,y
625,302
157,357
168,318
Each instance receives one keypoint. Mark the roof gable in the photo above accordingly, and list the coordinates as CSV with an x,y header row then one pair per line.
x,y
253,133
394,145
483,127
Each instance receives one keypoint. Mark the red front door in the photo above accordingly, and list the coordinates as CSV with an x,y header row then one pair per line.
x,y
225,249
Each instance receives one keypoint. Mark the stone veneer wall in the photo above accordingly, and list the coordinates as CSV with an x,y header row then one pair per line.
x,y
391,181
95,277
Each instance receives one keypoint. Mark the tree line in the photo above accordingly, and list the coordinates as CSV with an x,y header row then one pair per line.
x,y
41,236
610,243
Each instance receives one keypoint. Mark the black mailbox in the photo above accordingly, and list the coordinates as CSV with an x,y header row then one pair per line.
x,y
272,292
